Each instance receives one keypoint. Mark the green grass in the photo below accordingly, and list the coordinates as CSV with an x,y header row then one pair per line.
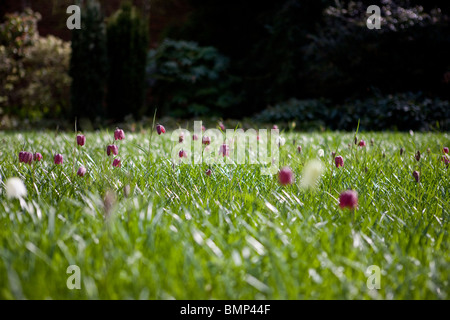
x,y
235,235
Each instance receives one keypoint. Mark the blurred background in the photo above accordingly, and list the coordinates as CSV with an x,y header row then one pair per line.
x,y
304,64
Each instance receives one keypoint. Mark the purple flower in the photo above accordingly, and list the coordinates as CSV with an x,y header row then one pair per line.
x,y
112,148
286,176
348,199
37,156
81,171
81,140
339,161
160,129
119,134
58,158
416,176
116,163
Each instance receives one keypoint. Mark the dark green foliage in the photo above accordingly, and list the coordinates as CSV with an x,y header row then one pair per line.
x,y
409,53
188,80
88,64
127,42
402,112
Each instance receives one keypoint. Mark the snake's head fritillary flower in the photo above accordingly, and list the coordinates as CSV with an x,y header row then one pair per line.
x,y
417,156
116,162
286,176
208,172
37,156
299,149
194,137
445,150
160,129
224,150
181,137
339,161
81,171
112,149
221,126
401,151
274,127
348,199
362,143
119,134
182,154
81,140
416,176
58,158
25,157
206,140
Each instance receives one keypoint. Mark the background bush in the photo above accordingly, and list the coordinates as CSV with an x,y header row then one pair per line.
x,y
189,80
127,45
33,71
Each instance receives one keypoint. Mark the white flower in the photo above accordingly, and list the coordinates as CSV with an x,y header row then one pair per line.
x,y
311,174
15,188
280,141
320,153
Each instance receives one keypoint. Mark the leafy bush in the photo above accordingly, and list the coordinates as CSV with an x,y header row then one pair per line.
x,y
127,43
402,112
306,113
409,53
33,73
187,79
88,63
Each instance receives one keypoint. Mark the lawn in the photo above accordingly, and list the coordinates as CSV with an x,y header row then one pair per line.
x,y
152,230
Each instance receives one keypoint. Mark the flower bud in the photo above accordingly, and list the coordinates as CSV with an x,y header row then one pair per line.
x,y
417,156
445,150
208,172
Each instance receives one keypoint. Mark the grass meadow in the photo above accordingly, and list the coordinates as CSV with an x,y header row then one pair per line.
x,y
153,230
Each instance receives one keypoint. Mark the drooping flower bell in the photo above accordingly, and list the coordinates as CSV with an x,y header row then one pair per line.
x,y
81,171
206,140
25,157
160,129
119,134
221,126
416,176
182,154
37,156
286,176
362,143
116,162
417,156
445,150
299,149
112,148
58,158
81,140
348,199
194,137
224,150
208,172
339,161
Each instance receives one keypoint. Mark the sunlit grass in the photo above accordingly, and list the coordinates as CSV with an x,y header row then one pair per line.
x,y
234,235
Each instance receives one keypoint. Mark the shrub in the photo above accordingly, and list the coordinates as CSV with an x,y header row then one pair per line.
x,y
127,42
33,73
88,63
189,80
